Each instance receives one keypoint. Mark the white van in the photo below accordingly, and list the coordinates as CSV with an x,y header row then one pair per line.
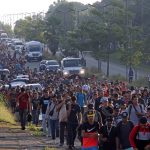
x,y
34,51
71,66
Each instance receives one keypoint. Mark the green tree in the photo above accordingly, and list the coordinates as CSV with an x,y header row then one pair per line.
x,y
30,28
6,28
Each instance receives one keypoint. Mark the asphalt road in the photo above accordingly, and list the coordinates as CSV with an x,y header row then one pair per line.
x,y
33,65
115,69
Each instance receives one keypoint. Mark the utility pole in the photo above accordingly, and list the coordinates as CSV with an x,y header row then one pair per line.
x,y
126,24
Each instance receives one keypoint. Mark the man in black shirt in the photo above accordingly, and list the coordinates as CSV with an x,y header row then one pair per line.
x,y
108,135
45,100
98,97
74,119
105,110
123,131
35,108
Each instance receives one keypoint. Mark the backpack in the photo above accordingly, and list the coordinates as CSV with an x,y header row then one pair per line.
x,y
130,108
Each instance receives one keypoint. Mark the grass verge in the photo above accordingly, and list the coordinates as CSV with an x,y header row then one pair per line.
x,y
5,114
35,130
94,71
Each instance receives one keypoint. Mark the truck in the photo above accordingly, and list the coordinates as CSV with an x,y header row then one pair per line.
x,y
34,51
72,66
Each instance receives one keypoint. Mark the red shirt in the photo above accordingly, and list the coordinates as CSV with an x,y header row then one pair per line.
x,y
23,101
143,134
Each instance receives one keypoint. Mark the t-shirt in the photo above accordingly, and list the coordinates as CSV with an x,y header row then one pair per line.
x,y
88,128
105,112
35,103
111,135
132,113
81,99
123,132
73,116
23,101
13,97
97,103
44,102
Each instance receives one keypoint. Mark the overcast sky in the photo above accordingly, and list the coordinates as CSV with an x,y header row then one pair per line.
x,y
19,6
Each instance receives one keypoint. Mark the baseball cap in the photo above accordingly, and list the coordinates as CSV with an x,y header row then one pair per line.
x,y
90,106
124,114
116,107
91,113
104,99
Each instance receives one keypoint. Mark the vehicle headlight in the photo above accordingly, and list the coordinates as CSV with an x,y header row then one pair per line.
x,y
65,73
82,71
29,54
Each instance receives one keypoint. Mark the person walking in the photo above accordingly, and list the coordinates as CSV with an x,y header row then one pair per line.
x,y
74,119
52,117
81,99
63,118
90,132
43,105
135,110
24,107
140,135
35,102
131,75
123,129
108,135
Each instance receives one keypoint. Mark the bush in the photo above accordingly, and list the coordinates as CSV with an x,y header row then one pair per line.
x,y
117,77
142,82
94,71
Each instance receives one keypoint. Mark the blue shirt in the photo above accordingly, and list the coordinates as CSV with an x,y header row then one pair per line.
x,y
80,99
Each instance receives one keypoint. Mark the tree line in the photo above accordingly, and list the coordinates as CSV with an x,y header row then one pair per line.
x,y
106,27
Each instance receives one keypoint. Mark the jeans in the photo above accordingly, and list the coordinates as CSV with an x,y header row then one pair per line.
x,y
62,126
49,126
54,128
82,110
44,125
35,116
72,132
23,117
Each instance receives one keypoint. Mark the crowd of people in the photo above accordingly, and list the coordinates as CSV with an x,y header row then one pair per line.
x,y
100,114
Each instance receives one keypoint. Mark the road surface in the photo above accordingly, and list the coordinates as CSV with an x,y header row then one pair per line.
x,y
115,69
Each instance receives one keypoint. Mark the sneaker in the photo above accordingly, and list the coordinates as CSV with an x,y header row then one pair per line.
x,y
73,147
23,128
